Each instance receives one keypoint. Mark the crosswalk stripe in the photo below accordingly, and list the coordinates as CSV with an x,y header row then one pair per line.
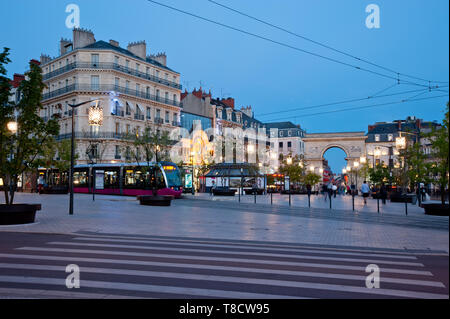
x,y
52,294
124,286
211,267
253,244
240,280
188,257
300,257
179,243
359,278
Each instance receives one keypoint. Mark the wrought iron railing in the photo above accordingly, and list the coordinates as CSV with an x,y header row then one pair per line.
x,y
110,66
108,88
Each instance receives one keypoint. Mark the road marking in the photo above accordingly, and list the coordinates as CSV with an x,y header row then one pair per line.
x,y
183,252
236,277
212,267
214,293
196,244
199,258
29,293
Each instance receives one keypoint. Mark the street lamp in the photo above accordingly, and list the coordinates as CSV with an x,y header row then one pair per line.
x,y
356,165
312,169
363,160
12,127
192,188
400,142
72,149
289,160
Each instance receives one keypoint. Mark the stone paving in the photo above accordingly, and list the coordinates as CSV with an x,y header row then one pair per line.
x,y
208,218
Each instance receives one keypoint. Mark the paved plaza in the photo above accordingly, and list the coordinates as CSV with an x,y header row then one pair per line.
x,y
206,247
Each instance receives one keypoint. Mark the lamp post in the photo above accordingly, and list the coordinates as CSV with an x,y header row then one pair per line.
x,y
356,165
192,162
12,126
72,149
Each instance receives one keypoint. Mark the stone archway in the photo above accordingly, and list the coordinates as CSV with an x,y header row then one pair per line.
x,y
316,144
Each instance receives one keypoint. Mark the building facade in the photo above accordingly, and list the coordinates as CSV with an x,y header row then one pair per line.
x,y
136,91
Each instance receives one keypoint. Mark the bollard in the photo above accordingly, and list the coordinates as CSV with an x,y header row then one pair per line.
x,y
309,200
330,200
378,205
255,196
239,193
271,201
353,201
406,205
289,198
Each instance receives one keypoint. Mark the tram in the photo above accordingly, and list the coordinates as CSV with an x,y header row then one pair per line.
x,y
128,179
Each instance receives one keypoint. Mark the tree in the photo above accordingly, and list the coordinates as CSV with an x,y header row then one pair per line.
x,y
439,169
19,150
380,174
55,155
311,179
295,170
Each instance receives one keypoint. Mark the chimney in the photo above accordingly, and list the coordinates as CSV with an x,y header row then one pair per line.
x,y
17,79
160,58
45,58
228,102
82,38
114,43
35,62
138,48
65,46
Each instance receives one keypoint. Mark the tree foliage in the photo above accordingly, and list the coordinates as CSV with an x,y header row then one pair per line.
x,y
19,150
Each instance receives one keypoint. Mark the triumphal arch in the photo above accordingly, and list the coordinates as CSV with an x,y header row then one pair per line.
x,y
316,144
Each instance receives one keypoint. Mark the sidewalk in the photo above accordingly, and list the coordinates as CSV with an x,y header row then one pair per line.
x,y
215,219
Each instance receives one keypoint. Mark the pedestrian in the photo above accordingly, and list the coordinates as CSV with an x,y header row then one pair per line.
x,y
330,189
383,193
365,190
334,188
308,189
324,191
213,187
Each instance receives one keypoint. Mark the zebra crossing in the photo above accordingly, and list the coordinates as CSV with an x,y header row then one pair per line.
x,y
134,266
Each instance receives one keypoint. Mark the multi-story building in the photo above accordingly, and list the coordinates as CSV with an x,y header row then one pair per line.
x,y
136,91
289,138
381,139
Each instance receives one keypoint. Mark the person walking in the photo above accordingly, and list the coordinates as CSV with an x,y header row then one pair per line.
x,y
325,191
365,190
213,187
383,193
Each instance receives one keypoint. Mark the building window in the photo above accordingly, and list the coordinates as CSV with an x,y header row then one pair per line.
x,y
116,60
127,64
128,129
138,88
280,145
289,144
167,117
117,152
157,95
117,128
95,60
158,114
147,92
149,115
390,137
95,82
147,71
127,86
377,137
137,67
166,96
117,83
281,133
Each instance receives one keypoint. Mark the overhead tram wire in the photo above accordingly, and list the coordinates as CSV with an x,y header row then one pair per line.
x,y
322,44
362,107
342,102
286,45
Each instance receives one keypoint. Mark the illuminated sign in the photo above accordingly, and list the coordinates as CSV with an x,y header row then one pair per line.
x,y
188,181
169,168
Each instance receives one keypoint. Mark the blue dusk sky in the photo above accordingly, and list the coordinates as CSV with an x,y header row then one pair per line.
x,y
413,39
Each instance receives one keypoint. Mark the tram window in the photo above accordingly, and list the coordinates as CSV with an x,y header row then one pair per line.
x,y
160,182
111,179
80,179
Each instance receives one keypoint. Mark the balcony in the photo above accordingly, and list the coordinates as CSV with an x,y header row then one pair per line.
x,y
99,135
106,88
110,66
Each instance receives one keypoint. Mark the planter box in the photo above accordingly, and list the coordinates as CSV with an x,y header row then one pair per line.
x,y
17,214
252,191
399,198
158,200
436,209
224,192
